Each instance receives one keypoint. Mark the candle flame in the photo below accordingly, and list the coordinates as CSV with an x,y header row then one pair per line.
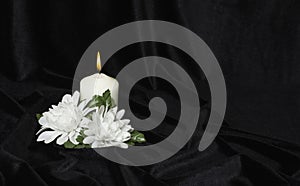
x,y
98,62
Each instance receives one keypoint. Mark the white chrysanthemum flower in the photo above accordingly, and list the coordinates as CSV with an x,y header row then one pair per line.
x,y
65,120
107,128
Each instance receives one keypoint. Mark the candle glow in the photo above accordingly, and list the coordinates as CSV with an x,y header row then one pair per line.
x,y
98,62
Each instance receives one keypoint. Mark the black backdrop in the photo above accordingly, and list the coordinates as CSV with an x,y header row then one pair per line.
x,y
257,44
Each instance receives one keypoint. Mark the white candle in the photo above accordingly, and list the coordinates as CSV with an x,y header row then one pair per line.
x,y
98,83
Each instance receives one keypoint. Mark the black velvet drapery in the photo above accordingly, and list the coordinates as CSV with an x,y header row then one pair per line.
x,y
256,42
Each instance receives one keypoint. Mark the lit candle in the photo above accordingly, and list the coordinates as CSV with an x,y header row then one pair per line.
x,y
98,83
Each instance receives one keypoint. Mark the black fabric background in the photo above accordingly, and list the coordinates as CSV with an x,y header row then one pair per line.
x,y
256,42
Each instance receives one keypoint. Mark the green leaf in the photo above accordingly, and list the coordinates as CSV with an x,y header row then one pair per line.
x,y
87,145
38,116
105,99
94,101
79,146
138,137
113,104
69,145
82,133
80,139
106,94
131,143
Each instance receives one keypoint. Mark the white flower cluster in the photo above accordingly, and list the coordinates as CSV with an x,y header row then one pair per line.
x,y
70,119
108,129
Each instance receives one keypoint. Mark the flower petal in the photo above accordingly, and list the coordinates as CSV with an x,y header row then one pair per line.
x,y
73,137
122,145
97,144
62,139
82,104
89,140
114,110
43,120
109,117
84,122
120,114
101,110
48,136
41,130
67,98
125,121
89,132
88,110
75,97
